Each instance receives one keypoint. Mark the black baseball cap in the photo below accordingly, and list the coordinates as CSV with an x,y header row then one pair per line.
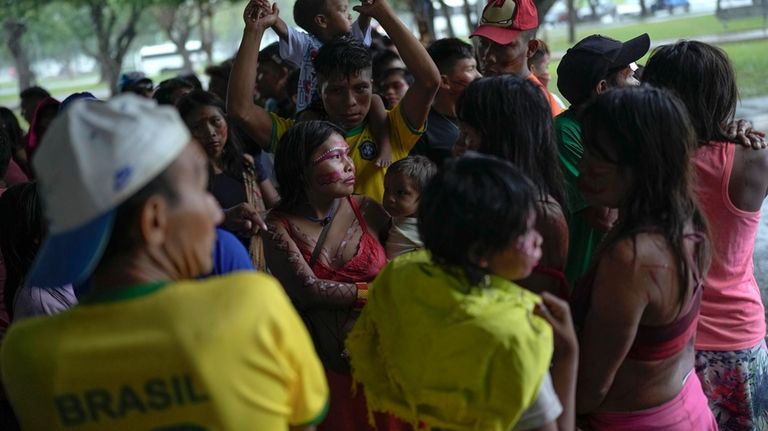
x,y
590,60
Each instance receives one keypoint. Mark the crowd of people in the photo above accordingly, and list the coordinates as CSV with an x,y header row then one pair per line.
x,y
347,232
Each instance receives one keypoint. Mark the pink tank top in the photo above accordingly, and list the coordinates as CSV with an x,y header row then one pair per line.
x,y
732,314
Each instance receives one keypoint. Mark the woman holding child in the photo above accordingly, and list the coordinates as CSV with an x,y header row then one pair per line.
x,y
637,307
322,244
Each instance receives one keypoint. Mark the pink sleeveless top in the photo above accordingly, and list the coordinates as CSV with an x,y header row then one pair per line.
x,y
732,313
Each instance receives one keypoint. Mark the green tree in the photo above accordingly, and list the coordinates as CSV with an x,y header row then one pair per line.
x,y
112,27
15,15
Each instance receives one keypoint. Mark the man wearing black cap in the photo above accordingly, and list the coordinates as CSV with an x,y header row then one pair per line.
x,y
591,67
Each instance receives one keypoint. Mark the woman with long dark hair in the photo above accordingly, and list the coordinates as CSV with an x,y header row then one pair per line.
x,y
731,185
636,309
323,246
509,118
236,180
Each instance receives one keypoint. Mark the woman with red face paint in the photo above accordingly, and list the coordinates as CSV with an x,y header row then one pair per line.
x,y
322,244
237,181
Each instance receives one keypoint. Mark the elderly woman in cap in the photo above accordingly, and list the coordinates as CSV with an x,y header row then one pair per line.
x,y
149,347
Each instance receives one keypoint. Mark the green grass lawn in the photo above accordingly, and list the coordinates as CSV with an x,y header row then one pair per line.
x,y
673,28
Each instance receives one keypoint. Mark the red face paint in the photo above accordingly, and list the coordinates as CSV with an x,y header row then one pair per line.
x,y
329,178
336,152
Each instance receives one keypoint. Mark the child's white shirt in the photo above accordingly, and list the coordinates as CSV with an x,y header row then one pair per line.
x,y
300,51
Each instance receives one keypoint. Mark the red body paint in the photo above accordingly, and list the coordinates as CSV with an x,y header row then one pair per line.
x,y
329,178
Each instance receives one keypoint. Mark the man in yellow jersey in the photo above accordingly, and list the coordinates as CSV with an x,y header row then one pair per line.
x,y
343,69
149,348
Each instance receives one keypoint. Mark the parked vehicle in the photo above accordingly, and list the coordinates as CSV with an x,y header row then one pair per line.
x,y
671,5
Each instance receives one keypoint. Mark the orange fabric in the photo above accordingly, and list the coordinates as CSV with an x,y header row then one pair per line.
x,y
553,105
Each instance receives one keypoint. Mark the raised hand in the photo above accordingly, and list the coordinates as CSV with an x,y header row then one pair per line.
x,y
377,9
259,14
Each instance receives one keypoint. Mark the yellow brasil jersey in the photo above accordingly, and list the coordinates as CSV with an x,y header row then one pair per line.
x,y
364,150
227,353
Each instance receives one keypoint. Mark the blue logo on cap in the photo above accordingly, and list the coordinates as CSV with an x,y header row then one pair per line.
x,y
121,177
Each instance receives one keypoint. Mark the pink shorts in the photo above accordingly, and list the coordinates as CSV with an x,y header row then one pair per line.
x,y
685,412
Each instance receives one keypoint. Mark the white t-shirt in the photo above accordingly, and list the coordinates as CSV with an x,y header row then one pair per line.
x,y
300,51
544,410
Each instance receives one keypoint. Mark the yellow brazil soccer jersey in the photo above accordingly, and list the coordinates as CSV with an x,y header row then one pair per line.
x,y
227,353
364,150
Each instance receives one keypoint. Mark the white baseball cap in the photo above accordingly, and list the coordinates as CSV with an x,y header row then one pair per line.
x,y
94,157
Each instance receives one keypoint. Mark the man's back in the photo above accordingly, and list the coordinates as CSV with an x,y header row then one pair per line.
x,y
226,353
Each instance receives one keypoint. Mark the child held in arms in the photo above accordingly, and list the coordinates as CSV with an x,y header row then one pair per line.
x,y
403,184
324,20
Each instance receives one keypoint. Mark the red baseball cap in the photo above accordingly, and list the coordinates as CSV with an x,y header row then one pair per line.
x,y
503,20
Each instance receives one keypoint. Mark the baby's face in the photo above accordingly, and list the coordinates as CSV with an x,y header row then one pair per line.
x,y
401,195
338,19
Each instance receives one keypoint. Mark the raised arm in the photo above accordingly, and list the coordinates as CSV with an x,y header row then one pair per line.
x,y
288,265
418,100
617,304
252,118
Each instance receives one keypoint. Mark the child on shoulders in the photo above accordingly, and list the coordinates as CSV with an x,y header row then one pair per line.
x,y
324,20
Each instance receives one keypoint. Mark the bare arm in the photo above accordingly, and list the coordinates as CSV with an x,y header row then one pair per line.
x,y
617,304
251,117
288,265
565,360
281,28
417,101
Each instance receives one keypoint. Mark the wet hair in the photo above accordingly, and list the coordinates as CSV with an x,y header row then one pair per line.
x,y
445,53
418,168
293,158
10,124
383,62
192,79
6,151
342,57
166,89
34,92
124,236
475,207
647,133
703,77
232,157
404,73
305,11
514,122
22,228
538,55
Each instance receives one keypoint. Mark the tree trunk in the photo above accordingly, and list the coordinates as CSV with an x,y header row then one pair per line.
x,y
205,27
176,22
471,24
571,21
447,12
14,31
423,14
644,9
